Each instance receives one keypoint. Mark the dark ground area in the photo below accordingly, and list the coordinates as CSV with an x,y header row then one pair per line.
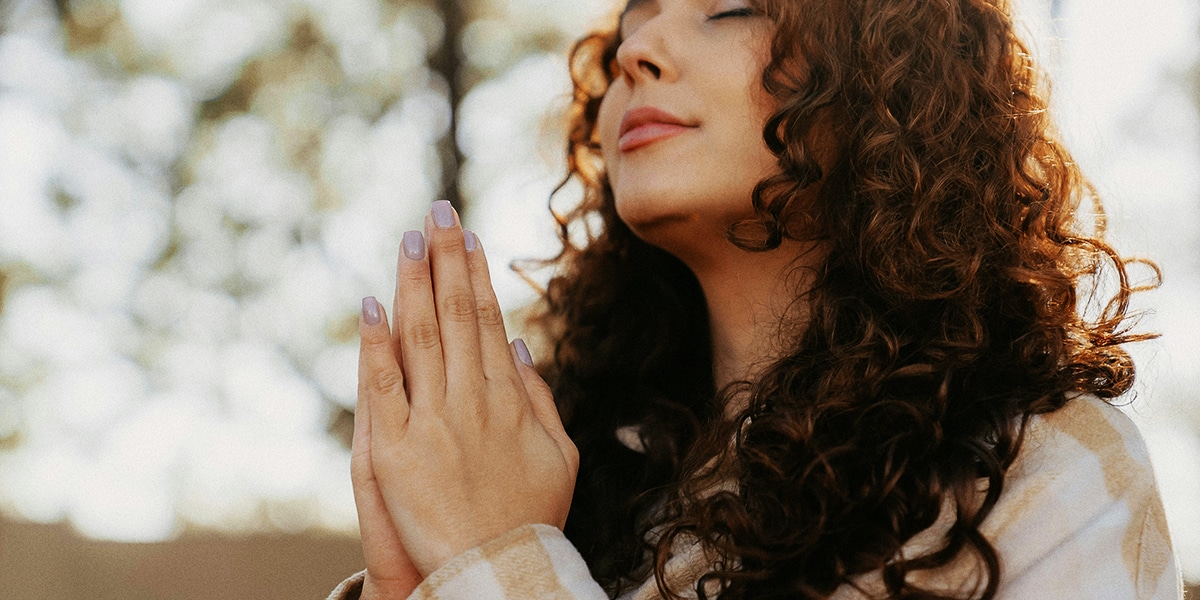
x,y
49,562
41,562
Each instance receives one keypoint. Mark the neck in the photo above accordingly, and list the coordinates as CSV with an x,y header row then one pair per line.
x,y
752,301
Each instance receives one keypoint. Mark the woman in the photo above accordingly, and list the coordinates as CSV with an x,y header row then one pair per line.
x,y
834,333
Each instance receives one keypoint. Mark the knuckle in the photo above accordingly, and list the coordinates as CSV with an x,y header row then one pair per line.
x,y
386,383
478,268
425,336
377,342
489,314
458,307
445,244
413,272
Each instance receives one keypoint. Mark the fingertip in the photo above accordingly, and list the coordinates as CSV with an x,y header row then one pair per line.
x,y
373,323
522,352
477,261
443,214
372,312
413,245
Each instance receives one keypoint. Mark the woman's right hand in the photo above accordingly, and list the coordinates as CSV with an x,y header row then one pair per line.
x,y
390,573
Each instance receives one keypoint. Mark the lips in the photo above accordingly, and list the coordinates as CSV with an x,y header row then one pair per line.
x,y
646,125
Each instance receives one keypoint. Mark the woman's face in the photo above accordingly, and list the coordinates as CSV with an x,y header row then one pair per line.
x,y
681,126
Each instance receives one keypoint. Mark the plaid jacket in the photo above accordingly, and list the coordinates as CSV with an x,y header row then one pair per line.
x,y
1079,518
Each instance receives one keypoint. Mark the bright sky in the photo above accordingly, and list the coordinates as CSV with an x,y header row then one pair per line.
x,y
1124,78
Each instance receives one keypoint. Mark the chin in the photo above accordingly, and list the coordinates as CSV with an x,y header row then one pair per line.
x,y
650,210
687,234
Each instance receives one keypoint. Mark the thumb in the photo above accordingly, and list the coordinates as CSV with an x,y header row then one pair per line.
x,y
541,400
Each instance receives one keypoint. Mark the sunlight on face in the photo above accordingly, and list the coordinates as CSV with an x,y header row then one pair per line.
x,y
681,127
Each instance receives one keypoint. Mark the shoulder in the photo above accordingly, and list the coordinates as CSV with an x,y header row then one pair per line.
x,y
1087,428
1087,453
1081,498
1082,458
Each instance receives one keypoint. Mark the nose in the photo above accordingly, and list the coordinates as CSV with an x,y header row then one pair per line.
x,y
644,56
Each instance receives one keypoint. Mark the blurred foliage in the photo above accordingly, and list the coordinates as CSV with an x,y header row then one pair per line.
x,y
197,193
309,65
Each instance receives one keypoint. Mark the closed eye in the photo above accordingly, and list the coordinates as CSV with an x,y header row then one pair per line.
x,y
737,12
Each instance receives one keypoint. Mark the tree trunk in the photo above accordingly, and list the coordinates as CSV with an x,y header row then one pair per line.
x,y
448,64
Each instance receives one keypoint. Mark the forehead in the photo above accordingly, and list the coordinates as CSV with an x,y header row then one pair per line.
x,y
631,6
635,4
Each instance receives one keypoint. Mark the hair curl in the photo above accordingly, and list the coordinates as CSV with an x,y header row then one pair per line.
x,y
950,308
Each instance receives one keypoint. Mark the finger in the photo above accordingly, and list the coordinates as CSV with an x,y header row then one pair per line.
x,y
453,296
493,341
360,443
541,401
360,448
420,335
380,380
389,568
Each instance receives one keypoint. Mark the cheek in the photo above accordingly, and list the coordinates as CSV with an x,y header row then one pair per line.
x,y
608,124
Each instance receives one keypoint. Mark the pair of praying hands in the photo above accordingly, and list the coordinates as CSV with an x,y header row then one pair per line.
x,y
456,438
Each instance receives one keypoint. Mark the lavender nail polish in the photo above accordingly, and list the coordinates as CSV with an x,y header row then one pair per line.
x,y
414,245
370,310
443,214
523,352
470,241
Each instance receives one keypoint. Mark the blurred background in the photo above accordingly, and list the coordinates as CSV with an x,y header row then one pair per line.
x,y
195,195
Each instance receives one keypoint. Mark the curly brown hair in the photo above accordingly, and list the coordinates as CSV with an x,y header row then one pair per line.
x,y
952,306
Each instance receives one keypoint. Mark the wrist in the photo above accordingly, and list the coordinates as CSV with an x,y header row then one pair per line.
x,y
385,589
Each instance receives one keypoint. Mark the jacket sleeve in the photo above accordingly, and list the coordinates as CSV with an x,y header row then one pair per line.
x,y
1080,516
350,589
531,562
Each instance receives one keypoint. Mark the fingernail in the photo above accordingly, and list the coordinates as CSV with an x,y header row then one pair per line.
x,y
414,245
523,352
371,310
470,241
443,214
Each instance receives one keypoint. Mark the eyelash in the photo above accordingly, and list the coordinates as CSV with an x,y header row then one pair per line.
x,y
738,12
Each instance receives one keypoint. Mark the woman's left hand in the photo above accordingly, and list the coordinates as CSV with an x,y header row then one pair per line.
x,y
466,442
